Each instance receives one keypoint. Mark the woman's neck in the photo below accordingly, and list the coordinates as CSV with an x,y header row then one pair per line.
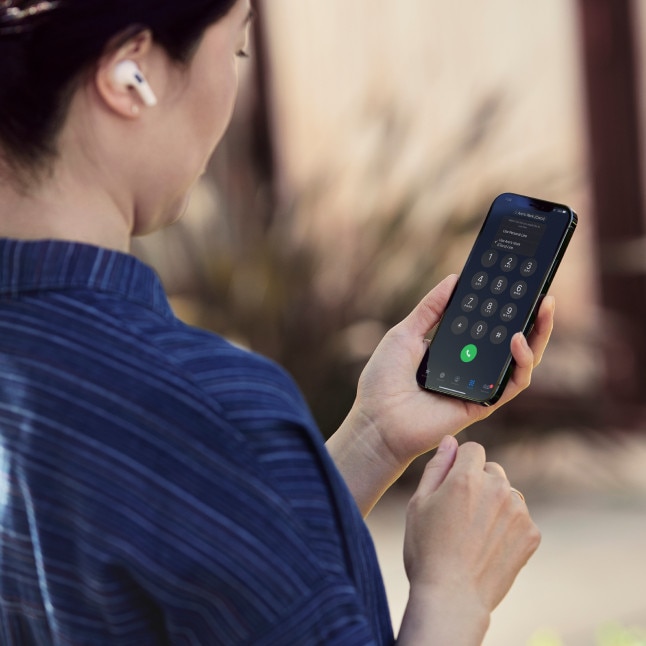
x,y
61,209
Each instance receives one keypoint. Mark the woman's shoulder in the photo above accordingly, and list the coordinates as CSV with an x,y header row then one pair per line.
x,y
237,377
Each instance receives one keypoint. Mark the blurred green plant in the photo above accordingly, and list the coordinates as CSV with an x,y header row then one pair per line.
x,y
545,638
610,634
614,634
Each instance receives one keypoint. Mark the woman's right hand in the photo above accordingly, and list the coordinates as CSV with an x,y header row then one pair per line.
x,y
468,534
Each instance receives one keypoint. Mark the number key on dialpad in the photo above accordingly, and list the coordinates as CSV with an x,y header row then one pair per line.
x,y
519,289
498,334
469,303
499,285
459,325
509,263
489,258
508,312
528,267
489,307
479,330
480,280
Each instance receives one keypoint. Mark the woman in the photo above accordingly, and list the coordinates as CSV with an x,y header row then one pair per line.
x,y
158,485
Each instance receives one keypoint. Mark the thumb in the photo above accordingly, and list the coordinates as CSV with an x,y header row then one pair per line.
x,y
429,311
439,466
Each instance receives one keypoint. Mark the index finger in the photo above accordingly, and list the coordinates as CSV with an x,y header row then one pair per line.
x,y
471,456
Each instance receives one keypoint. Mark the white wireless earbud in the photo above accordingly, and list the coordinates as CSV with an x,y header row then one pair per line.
x,y
128,73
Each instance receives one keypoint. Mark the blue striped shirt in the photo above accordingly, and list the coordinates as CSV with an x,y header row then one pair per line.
x,y
158,485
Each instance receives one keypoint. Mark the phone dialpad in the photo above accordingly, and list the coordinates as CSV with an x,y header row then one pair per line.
x,y
493,304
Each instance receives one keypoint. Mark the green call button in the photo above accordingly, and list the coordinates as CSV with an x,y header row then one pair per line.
x,y
468,353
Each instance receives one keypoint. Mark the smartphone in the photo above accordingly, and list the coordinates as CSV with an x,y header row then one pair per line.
x,y
509,270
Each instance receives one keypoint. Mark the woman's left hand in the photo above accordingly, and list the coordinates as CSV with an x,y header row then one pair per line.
x,y
393,420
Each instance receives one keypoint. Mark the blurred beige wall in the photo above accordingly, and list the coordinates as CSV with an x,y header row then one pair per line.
x,y
453,102
344,71
339,65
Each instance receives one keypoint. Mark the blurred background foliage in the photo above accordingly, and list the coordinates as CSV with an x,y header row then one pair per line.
x,y
315,231
611,634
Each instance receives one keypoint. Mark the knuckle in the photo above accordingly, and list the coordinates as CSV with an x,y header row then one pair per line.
x,y
535,533
413,503
461,488
500,491
464,482
526,527
494,467
473,449
416,504
534,538
525,380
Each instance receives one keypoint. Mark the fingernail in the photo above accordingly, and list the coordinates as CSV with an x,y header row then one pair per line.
x,y
444,444
520,335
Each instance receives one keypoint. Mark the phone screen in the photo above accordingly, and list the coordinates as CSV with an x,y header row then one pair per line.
x,y
509,269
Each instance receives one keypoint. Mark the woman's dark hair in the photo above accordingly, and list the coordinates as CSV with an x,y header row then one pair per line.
x,y
44,47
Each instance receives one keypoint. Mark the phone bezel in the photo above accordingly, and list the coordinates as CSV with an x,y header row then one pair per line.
x,y
507,366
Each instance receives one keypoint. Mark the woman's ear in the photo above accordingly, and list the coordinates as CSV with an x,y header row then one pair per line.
x,y
120,76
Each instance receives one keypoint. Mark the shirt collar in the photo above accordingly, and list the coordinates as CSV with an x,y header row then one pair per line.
x,y
43,265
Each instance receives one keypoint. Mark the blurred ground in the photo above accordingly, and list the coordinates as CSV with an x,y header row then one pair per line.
x,y
588,496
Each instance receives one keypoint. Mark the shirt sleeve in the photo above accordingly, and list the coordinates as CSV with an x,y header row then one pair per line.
x,y
191,543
